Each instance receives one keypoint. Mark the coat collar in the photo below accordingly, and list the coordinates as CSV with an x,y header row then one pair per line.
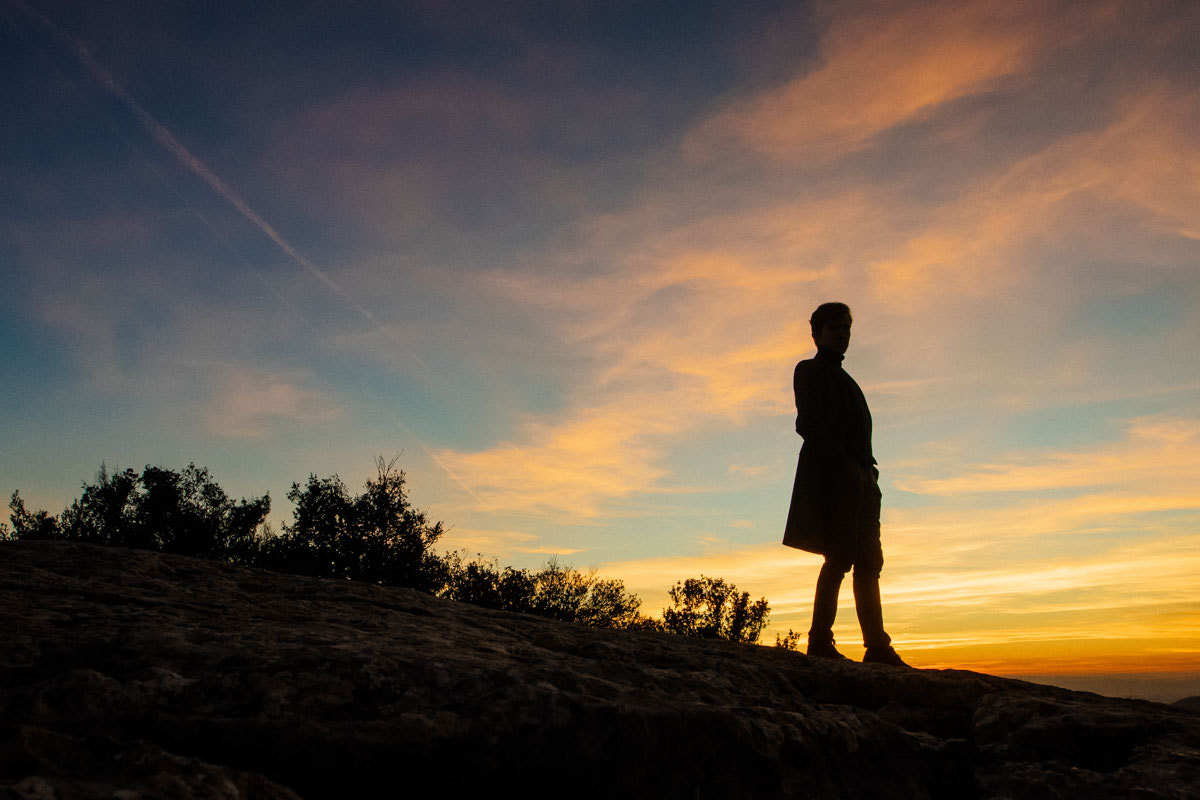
x,y
827,356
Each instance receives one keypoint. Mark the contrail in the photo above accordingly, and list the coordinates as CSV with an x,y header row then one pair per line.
x,y
172,145
453,477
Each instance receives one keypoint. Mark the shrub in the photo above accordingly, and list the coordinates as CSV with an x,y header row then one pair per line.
x,y
554,591
710,608
790,641
486,584
175,512
27,525
376,537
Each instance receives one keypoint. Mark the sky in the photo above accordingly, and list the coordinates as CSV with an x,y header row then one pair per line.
x,y
559,259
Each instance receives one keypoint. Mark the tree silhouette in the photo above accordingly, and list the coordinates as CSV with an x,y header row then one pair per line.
x,y
376,537
789,641
191,515
554,591
31,525
710,608
106,512
486,584
175,512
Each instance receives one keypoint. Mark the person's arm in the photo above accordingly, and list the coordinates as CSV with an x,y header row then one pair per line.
x,y
813,415
816,421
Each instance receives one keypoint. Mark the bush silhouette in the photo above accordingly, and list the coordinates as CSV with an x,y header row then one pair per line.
x,y
554,591
789,641
174,512
486,584
31,525
710,608
376,537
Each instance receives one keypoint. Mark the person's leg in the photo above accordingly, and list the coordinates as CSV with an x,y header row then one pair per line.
x,y
870,610
829,584
868,564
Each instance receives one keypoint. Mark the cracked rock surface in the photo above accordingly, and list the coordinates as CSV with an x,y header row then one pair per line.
x,y
131,674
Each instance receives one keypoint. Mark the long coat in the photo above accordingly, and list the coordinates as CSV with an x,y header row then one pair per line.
x,y
836,464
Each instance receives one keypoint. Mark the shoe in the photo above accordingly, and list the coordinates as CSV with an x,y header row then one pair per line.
x,y
883,655
824,649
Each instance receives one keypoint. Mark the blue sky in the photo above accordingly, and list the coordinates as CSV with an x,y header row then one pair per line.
x,y
560,258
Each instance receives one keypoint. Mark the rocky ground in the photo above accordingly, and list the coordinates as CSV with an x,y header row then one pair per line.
x,y
130,674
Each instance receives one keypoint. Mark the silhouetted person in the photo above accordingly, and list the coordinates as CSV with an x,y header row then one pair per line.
x,y
835,500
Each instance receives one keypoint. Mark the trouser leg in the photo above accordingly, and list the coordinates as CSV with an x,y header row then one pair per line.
x,y
868,563
829,584
870,610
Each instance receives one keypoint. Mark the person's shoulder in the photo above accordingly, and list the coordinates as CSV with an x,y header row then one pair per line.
x,y
809,369
810,365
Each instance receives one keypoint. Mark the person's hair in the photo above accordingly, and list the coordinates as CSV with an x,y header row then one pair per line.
x,y
826,312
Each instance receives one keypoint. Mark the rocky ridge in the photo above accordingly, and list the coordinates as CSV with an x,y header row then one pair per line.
x,y
130,674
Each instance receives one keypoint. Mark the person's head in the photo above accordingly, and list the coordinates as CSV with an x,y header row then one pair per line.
x,y
831,326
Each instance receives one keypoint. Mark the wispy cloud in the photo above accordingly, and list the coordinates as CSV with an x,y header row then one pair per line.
x,y
493,542
698,322
569,469
879,66
1160,458
251,404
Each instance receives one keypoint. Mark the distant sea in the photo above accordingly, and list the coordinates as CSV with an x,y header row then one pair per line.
x,y
1161,687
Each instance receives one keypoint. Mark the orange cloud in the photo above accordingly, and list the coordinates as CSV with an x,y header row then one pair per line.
x,y
1160,459
1145,160
689,314
880,67
490,543
602,452
1148,158
705,318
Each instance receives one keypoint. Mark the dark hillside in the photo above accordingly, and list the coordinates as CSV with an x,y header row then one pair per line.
x,y
167,676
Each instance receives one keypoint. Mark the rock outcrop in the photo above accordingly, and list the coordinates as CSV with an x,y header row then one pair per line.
x,y
132,674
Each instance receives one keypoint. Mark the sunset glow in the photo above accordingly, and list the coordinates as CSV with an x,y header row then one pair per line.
x,y
561,259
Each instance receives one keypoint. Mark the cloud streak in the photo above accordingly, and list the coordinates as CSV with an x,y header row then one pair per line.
x,y
250,404
881,65
1161,456
705,317
168,141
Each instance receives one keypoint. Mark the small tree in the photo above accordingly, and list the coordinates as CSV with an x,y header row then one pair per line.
x,y
106,512
554,591
710,608
31,525
395,538
608,605
790,641
567,594
559,592
176,512
377,536
485,584
189,514
315,542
